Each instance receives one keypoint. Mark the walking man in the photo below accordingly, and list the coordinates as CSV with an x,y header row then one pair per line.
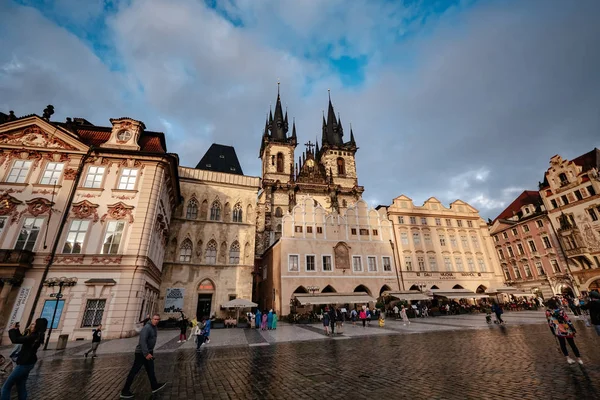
x,y
593,306
144,358
96,338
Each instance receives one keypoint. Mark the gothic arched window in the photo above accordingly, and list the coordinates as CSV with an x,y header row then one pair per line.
x,y
237,213
234,253
278,212
279,162
211,252
192,209
215,211
185,251
341,167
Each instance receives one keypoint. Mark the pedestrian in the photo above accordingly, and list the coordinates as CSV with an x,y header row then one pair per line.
x,y
326,321
339,320
404,316
270,319
396,310
332,319
562,328
144,358
593,306
26,359
274,324
263,325
363,317
96,338
183,325
368,316
198,333
353,315
258,318
496,309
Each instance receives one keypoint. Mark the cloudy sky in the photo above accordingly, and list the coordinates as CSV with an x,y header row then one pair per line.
x,y
448,98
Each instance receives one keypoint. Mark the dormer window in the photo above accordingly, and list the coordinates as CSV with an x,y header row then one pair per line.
x,y
563,179
123,136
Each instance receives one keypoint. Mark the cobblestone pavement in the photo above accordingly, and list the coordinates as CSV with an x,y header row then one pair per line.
x,y
490,362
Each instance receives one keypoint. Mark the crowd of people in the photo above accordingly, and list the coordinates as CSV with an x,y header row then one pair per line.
x,y
263,320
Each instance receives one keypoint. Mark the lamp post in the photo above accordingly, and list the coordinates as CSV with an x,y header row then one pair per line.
x,y
312,289
421,286
60,282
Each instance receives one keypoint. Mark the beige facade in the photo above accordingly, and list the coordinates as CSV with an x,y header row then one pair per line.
x,y
114,228
571,194
210,256
443,248
327,252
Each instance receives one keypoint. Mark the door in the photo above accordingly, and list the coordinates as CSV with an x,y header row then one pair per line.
x,y
204,304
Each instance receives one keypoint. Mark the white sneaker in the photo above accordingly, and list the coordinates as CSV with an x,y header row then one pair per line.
x,y
580,361
570,360
179,341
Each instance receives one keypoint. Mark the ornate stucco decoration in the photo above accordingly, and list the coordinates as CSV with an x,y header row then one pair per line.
x,y
84,210
119,211
8,207
34,136
37,206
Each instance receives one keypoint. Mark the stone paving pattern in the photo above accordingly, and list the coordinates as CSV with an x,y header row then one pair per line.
x,y
458,357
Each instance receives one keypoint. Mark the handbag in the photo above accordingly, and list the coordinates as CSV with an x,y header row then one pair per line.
x,y
14,355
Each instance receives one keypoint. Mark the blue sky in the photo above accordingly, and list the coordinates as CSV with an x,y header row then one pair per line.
x,y
453,99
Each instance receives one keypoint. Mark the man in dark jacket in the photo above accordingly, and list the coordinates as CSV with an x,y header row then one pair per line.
x,y
144,358
96,338
593,306
332,318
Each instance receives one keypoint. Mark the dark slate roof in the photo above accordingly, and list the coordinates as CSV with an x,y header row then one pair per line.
x,y
221,158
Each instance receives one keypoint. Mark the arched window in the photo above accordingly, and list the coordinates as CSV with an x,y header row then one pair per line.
x,y
237,213
192,209
204,210
278,228
279,162
185,251
341,166
278,212
211,252
234,253
215,211
563,178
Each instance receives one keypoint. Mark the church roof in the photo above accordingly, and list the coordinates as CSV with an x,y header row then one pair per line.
x,y
221,158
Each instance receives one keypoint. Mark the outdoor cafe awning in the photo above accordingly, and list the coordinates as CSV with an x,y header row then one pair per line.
x,y
458,294
502,289
333,298
409,295
522,294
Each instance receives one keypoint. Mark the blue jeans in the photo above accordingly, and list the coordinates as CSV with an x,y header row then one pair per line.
x,y
18,377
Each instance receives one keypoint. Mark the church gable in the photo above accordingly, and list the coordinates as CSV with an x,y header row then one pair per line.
x,y
37,133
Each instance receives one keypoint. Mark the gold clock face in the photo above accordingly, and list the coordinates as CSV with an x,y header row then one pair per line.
x,y
310,163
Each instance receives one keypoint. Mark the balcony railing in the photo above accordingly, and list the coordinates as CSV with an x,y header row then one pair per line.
x,y
14,257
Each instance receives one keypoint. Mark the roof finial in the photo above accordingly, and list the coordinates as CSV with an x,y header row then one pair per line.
x,y
278,86
329,93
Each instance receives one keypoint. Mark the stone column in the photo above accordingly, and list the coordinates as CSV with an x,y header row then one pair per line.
x,y
4,294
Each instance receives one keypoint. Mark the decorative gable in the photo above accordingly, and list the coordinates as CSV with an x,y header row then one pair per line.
x,y
35,136
125,134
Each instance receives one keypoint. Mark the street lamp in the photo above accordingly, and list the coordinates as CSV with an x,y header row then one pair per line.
x,y
421,286
60,282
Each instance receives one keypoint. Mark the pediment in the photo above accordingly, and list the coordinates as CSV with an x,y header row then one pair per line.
x,y
36,133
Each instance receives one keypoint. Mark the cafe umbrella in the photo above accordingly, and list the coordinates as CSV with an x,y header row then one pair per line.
x,y
238,304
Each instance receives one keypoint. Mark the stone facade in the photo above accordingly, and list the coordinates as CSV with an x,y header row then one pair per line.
x,y
571,194
210,255
443,248
114,228
327,252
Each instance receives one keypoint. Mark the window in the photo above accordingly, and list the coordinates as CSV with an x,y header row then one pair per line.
x,y
357,263
448,222
442,240
593,215
215,211
482,267
185,251
423,221
505,235
555,266
501,254
510,251
546,240
515,232
319,229
93,179
309,229
353,231
540,268
516,271
591,190
525,228
293,263
453,241
112,237
298,229
470,224
237,215
401,220
459,264
211,253
404,238
416,238
564,199
341,167
532,246
527,270
448,263
554,203
128,177
234,253
327,263
94,310
540,223
18,172
279,162
29,233
192,209
387,265
310,263
563,179
471,265
578,195
526,210
465,242
375,232
372,264
364,232
459,223
506,273
475,241
496,238
520,249
427,237
438,222
52,173
432,263
408,263
2,224
421,263
75,236
413,220
278,212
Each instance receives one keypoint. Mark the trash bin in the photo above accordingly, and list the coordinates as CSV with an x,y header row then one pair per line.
x,y
62,342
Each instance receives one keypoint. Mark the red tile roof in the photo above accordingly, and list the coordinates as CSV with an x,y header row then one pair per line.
x,y
152,142
525,198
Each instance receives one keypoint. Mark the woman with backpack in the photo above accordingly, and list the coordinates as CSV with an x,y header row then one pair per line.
x,y
26,358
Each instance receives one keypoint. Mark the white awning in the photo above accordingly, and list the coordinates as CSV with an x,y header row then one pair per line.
x,y
333,298
408,295
468,296
239,303
522,294
458,294
502,289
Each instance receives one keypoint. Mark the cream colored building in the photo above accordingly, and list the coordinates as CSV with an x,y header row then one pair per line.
x,y
571,194
443,248
210,256
325,252
124,187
